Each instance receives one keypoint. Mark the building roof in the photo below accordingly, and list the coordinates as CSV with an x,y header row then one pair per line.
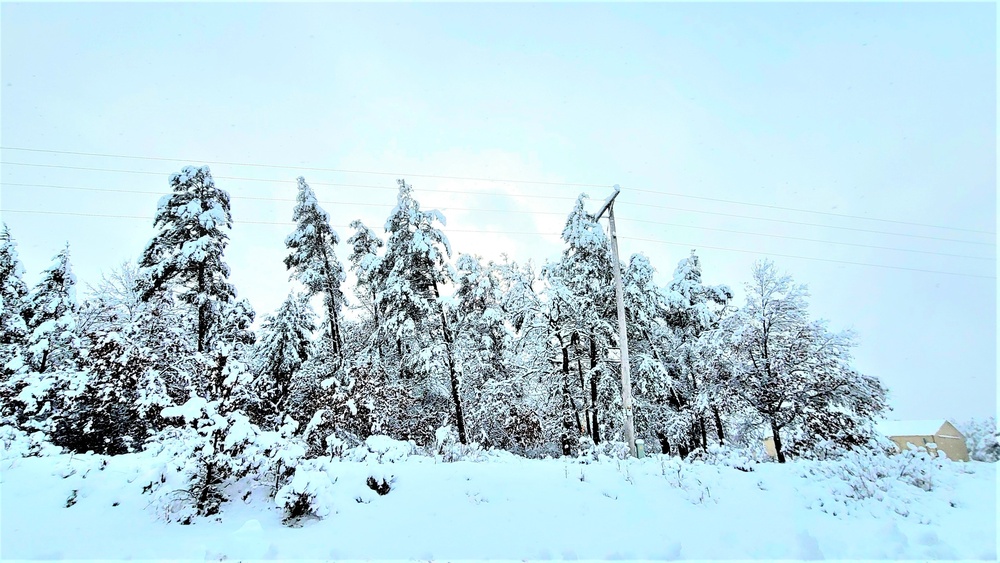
x,y
911,427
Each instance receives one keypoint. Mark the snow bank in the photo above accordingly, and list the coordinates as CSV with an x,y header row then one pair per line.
x,y
388,502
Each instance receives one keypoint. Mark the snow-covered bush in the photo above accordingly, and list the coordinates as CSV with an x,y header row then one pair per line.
x,y
42,400
447,447
212,450
742,459
16,443
981,436
603,451
687,477
381,449
308,494
864,478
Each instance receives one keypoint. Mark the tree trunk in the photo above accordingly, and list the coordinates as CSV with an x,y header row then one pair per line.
x,y
451,371
202,320
593,413
593,387
377,325
45,359
331,304
567,438
777,441
664,443
334,329
583,384
718,426
565,371
703,434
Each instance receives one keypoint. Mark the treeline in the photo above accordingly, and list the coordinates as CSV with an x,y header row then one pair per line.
x,y
507,354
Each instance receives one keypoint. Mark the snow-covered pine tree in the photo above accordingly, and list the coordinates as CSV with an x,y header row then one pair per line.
x,y
693,309
13,307
532,398
312,258
492,391
581,286
217,442
188,249
479,319
789,369
133,347
650,343
48,382
52,343
414,268
366,265
281,350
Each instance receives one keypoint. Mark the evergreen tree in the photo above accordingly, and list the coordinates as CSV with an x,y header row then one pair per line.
x,y
283,348
312,258
188,249
13,307
366,265
492,387
413,269
132,348
651,343
52,343
693,309
581,288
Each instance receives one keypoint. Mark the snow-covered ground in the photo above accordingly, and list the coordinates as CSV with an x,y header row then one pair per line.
x,y
76,507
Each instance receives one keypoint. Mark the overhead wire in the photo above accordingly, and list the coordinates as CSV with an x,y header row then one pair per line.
x,y
565,184
519,211
247,179
788,222
535,196
810,258
309,168
536,233
498,180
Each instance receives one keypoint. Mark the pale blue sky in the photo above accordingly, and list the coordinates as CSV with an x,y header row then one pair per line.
x,y
873,110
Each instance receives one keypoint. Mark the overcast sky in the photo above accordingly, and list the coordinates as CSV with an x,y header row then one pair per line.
x,y
871,116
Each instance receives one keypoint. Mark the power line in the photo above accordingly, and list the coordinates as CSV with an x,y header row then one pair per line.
x,y
534,233
811,258
279,199
786,221
242,178
499,180
800,210
533,196
811,240
144,192
519,211
247,222
308,168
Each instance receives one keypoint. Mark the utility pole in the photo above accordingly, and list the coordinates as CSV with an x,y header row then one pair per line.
x,y
609,206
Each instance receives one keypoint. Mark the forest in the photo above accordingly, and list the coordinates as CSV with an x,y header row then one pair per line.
x,y
422,346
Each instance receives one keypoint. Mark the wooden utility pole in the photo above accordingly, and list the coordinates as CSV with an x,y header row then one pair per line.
x,y
609,206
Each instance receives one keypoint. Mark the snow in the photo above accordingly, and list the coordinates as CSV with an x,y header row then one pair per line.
x,y
502,508
191,410
910,427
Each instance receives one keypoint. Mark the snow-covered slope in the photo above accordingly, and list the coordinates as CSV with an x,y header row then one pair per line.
x,y
92,507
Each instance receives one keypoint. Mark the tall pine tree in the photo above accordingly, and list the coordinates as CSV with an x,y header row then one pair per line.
x,y
413,269
282,349
188,249
13,305
312,258
52,343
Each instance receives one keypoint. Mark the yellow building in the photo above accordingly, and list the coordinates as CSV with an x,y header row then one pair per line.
x,y
930,434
